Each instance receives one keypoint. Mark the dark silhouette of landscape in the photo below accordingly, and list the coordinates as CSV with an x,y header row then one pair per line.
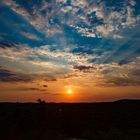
x,y
119,120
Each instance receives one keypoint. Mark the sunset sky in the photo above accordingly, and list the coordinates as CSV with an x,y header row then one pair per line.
x,y
69,50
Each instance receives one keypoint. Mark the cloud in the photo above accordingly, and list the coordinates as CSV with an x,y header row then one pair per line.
x,y
119,81
73,75
120,75
38,15
42,56
31,36
36,60
47,65
9,76
49,80
45,85
31,89
102,20
116,36
95,19
84,68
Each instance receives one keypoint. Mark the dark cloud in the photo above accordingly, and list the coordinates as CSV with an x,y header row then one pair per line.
x,y
70,76
32,89
119,81
123,62
9,76
45,85
107,71
128,75
136,72
83,68
50,79
5,44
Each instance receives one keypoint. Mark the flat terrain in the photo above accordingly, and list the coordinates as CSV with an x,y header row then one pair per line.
x,y
118,120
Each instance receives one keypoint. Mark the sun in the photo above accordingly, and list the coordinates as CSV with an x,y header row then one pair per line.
x,y
69,91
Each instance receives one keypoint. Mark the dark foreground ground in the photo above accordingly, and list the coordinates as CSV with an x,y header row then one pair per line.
x,y
95,121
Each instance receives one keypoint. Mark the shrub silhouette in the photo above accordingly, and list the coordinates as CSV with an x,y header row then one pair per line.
x,y
41,101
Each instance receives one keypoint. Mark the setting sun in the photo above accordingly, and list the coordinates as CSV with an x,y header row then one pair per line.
x,y
69,91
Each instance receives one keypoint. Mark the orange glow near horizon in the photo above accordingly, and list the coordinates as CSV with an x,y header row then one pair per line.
x,y
64,92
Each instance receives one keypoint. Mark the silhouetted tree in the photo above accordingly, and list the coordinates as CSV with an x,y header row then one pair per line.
x,y
41,101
